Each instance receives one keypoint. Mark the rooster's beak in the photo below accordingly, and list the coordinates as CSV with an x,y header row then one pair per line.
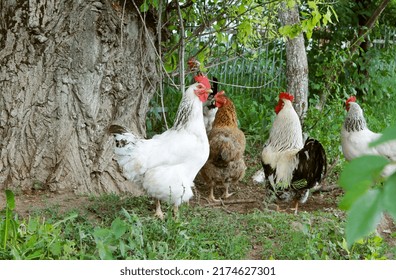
x,y
209,90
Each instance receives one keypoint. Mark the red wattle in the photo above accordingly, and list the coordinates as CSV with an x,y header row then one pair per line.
x,y
203,97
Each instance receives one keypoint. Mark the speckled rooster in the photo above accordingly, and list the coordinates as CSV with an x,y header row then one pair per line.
x,y
225,165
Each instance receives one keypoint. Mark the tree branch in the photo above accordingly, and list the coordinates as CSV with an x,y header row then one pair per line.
x,y
181,49
369,25
161,88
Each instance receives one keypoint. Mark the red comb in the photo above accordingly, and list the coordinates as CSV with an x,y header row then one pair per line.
x,y
350,99
285,95
203,80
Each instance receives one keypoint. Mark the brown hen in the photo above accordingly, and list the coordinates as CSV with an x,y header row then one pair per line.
x,y
225,165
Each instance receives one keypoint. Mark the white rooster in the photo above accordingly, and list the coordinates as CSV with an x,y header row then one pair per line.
x,y
166,165
356,136
291,166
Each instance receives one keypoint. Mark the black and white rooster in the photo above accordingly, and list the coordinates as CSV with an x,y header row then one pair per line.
x,y
291,166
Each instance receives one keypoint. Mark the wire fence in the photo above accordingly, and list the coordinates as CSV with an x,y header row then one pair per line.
x,y
255,71
387,39
261,70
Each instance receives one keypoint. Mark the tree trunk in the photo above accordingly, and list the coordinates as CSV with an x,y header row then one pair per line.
x,y
68,70
296,63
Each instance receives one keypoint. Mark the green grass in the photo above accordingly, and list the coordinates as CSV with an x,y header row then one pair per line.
x,y
126,229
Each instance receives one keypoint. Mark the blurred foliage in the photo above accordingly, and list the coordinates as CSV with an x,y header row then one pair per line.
x,y
367,193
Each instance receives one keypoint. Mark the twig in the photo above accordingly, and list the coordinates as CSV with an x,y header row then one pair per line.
x,y
161,88
329,169
122,23
332,165
181,49
236,201
153,45
226,210
328,188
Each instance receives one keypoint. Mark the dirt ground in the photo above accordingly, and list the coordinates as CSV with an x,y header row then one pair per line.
x,y
247,197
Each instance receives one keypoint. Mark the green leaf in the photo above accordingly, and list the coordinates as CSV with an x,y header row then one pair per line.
x,y
10,198
144,7
312,5
334,12
364,215
118,227
56,248
390,195
362,170
388,134
358,176
241,9
352,195
122,248
291,3
155,3
104,250
101,234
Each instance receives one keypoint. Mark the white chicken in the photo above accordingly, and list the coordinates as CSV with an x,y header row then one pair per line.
x,y
356,136
286,160
166,165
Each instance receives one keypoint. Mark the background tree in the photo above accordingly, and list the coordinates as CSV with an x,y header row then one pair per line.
x,y
68,70
296,61
342,56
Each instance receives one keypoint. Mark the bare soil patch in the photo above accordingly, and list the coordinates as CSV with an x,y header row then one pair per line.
x,y
247,197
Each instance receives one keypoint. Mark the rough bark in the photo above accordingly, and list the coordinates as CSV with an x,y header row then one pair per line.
x,y
296,63
64,78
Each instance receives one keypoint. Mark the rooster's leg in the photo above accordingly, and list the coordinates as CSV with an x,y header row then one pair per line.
x,y
158,211
175,210
295,208
211,197
226,193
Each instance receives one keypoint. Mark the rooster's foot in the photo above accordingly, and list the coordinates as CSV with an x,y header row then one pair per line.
x,y
227,195
158,212
212,199
159,215
295,208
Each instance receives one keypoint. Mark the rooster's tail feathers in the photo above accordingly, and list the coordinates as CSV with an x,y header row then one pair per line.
x,y
124,140
312,161
117,129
